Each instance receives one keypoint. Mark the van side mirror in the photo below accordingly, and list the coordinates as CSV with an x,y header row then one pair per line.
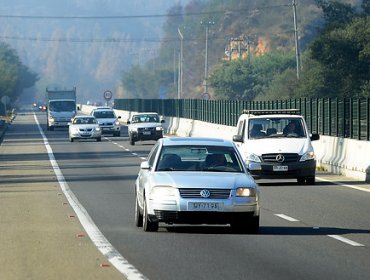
x,y
315,136
238,138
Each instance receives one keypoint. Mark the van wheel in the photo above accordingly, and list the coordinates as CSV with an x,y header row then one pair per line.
x,y
310,181
301,180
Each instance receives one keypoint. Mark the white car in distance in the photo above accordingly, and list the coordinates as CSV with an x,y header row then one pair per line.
x,y
84,127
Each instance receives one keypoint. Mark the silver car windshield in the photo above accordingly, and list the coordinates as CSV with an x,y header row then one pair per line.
x,y
199,158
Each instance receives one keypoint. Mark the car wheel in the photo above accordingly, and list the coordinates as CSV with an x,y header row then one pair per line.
x,y
71,139
301,180
98,139
246,225
310,181
147,224
132,141
138,215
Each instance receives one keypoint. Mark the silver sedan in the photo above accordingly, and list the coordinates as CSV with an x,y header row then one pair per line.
x,y
188,180
84,127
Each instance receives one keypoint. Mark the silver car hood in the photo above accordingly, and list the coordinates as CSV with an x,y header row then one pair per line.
x,y
85,126
202,179
145,125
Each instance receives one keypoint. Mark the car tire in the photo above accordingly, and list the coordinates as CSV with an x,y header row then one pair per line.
x,y
247,225
98,139
71,139
148,225
310,181
138,215
132,141
301,180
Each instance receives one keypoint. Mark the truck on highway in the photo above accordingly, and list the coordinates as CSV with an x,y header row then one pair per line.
x,y
61,107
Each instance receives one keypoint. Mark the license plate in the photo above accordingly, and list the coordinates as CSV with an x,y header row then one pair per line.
x,y
205,206
106,128
280,168
146,133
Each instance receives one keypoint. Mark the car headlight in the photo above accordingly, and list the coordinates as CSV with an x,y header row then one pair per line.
x,y
162,192
246,192
97,129
159,128
75,129
116,123
252,158
308,156
134,129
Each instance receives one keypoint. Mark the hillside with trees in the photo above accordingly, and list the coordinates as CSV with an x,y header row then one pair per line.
x,y
251,51
87,44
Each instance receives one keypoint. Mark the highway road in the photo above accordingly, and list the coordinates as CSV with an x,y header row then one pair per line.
x,y
317,231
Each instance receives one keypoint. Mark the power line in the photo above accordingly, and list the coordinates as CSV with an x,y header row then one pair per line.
x,y
143,16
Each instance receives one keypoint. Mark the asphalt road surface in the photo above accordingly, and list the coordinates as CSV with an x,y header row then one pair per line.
x,y
317,231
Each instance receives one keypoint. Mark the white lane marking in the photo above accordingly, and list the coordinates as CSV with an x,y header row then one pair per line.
x,y
104,246
344,185
285,217
346,240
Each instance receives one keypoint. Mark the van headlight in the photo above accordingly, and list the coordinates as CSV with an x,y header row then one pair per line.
x,y
250,157
308,156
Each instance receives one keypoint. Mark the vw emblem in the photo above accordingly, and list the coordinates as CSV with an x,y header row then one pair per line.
x,y
280,158
205,193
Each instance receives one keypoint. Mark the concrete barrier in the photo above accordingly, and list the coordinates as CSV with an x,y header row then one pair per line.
x,y
343,156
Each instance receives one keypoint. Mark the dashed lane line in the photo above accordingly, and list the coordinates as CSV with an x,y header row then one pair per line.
x,y
337,237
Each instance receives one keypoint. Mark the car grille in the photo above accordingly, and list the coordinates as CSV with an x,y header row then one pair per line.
x,y
214,193
146,129
107,123
85,129
287,157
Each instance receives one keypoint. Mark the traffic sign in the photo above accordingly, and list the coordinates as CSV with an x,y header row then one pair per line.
x,y
108,95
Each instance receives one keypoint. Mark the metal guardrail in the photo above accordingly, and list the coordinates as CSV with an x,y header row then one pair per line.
x,y
347,118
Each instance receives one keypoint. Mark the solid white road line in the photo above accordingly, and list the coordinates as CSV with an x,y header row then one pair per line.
x,y
344,185
346,240
104,246
285,217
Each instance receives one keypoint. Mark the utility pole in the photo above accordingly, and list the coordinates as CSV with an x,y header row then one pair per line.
x,y
297,52
207,24
181,63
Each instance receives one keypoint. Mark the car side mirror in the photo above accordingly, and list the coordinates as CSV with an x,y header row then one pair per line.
x,y
119,117
128,122
238,138
315,136
163,121
145,165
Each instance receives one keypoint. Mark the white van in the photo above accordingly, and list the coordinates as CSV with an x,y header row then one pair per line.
x,y
276,144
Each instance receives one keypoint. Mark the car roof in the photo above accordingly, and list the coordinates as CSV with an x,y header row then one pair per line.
x,y
196,141
84,117
103,108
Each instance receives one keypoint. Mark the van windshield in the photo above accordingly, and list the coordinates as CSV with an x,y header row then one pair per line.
x,y
261,128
